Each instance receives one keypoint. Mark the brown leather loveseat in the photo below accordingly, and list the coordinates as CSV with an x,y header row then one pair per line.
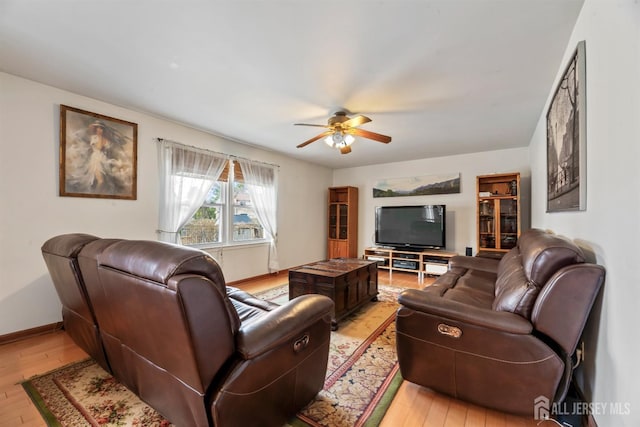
x,y
198,352
500,334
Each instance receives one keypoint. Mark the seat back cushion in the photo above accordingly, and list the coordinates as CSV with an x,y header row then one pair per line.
x,y
545,253
525,269
60,255
160,261
513,292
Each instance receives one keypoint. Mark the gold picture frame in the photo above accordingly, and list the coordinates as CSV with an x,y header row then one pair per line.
x,y
98,155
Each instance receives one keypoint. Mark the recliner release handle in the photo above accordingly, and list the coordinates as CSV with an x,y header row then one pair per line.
x,y
452,331
301,344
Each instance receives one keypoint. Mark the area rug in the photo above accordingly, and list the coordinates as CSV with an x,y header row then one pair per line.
x,y
362,378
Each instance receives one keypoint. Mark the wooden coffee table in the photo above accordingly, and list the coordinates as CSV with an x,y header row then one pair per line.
x,y
349,282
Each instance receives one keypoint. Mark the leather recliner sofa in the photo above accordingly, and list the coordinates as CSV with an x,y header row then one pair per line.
x,y
197,351
500,333
78,317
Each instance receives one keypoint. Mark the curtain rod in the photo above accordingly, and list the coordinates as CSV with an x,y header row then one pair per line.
x,y
231,156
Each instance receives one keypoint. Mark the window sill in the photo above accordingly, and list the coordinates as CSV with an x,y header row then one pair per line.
x,y
233,246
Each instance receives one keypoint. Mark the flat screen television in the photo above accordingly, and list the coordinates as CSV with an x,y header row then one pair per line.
x,y
411,227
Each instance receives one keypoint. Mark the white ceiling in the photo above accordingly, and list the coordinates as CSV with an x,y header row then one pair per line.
x,y
442,77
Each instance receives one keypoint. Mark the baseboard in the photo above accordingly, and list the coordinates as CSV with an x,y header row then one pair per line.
x,y
262,276
28,333
588,420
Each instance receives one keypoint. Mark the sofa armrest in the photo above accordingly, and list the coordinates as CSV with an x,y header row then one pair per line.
x,y
282,324
475,263
503,321
567,300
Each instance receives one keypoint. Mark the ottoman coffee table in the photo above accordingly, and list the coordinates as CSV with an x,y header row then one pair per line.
x,y
349,282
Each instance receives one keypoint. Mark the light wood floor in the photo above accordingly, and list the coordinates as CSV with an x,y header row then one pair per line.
x,y
413,405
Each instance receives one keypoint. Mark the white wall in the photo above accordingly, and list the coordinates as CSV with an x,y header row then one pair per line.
x,y
461,210
609,228
31,210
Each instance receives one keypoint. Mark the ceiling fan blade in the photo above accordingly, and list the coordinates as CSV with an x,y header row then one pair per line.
x,y
309,124
315,138
345,150
370,135
356,121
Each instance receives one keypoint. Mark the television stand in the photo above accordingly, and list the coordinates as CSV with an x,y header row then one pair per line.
x,y
430,262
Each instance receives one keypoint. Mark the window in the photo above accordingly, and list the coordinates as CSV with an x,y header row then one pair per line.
x,y
246,225
227,215
205,224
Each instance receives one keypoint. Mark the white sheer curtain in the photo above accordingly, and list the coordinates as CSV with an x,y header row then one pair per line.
x,y
186,176
261,181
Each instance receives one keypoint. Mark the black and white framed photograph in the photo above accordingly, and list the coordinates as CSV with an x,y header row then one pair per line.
x,y
566,138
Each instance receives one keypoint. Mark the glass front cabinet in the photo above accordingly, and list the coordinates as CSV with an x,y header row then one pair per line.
x,y
498,212
343,222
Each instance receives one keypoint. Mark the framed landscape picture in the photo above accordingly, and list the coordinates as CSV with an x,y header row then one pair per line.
x,y
98,155
417,185
566,138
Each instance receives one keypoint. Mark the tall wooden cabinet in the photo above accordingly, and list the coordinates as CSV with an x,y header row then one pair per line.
x,y
498,212
343,223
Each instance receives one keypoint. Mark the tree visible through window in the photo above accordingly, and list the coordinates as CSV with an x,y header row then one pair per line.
x,y
225,217
205,225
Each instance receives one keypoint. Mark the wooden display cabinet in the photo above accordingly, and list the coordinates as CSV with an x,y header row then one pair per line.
x,y
498,212
343,223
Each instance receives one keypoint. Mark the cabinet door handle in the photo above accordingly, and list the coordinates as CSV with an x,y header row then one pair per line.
x,y
451,331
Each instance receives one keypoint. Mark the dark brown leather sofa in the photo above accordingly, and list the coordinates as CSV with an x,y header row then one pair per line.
x,y
500,333
199,352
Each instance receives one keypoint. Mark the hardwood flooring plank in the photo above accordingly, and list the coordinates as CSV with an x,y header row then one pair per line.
x,y
438,412
418,412
457,414
495,419
395,416
476,416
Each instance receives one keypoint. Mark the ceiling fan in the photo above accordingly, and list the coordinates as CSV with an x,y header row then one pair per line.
x,y
342,130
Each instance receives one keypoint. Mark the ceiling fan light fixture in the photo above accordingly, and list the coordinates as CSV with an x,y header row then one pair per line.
x,y
339,139
341,132
329,141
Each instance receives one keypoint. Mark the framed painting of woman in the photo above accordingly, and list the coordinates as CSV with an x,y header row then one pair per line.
x,y
98,155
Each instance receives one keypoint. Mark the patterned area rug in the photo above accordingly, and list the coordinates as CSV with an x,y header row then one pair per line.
x,y
362,378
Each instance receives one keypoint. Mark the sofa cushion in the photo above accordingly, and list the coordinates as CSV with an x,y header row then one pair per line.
x,y
248,299
248,307
545,253
513,292
524,270
465,285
